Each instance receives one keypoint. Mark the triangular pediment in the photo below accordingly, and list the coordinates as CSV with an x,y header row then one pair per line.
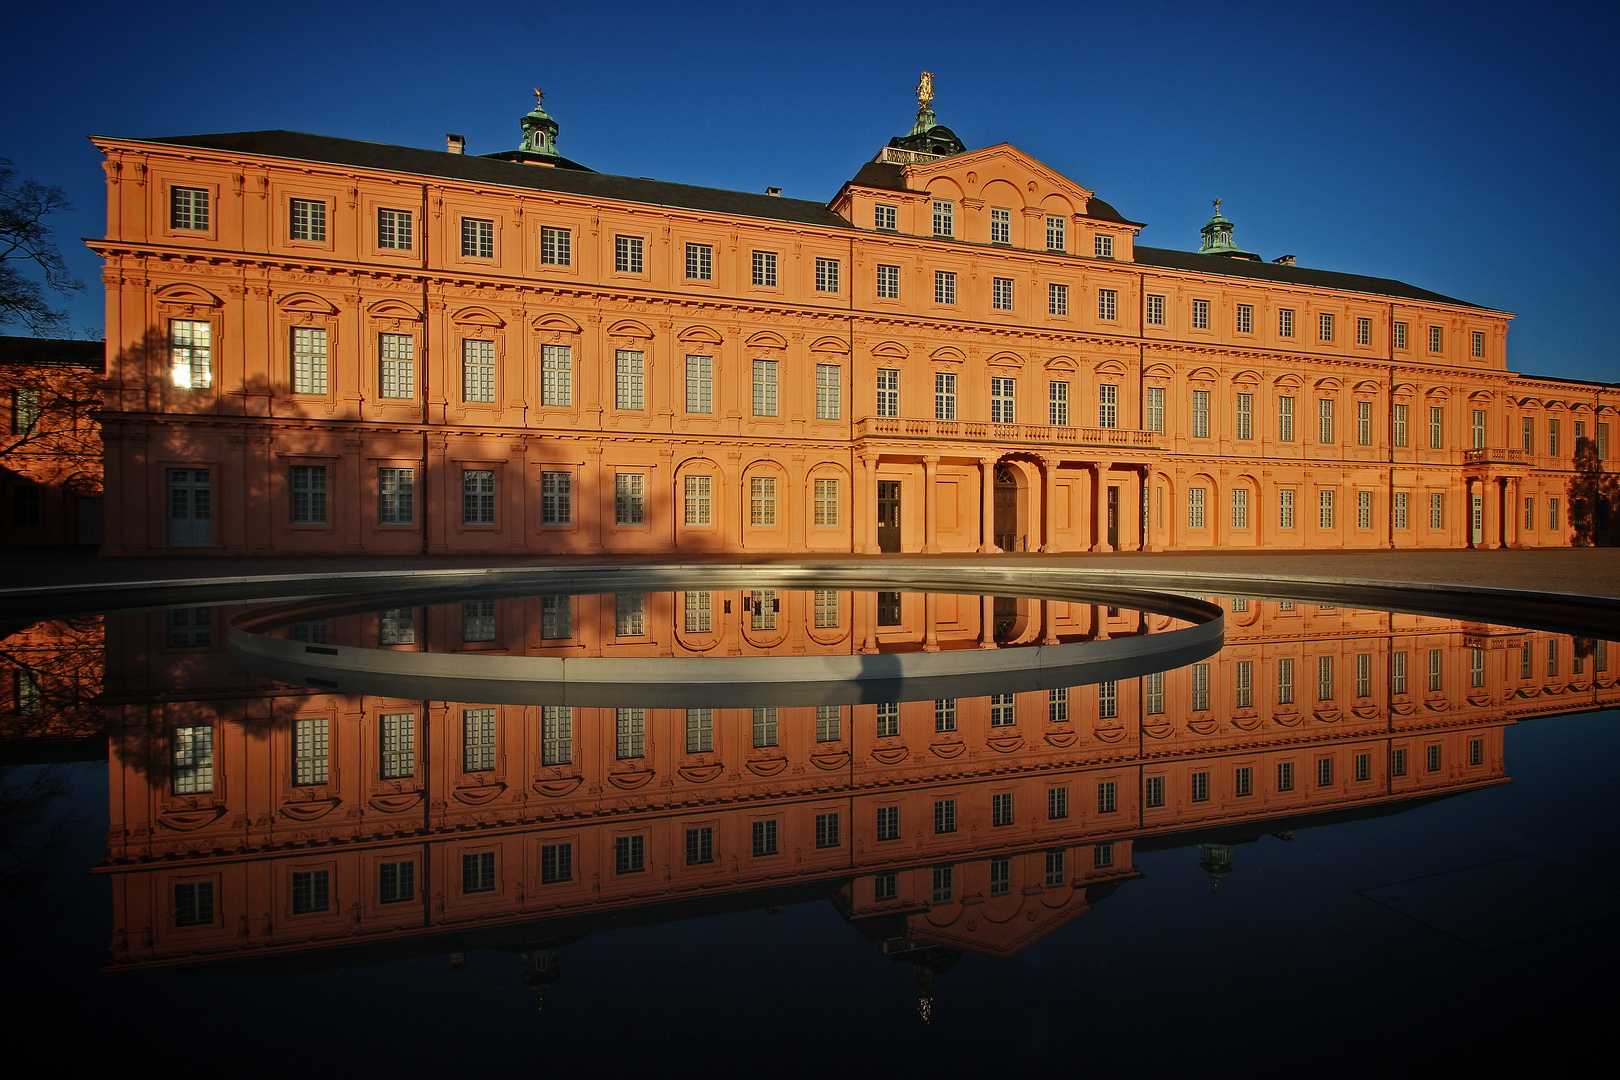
x,y
994,174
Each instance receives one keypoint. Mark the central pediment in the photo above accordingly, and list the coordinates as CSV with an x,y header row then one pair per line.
x,y
1000,175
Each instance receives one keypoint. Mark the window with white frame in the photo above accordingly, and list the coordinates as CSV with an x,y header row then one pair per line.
x,y
1401,510
764,265
1363,423
1245,416
700,384
764,387
629,498
1285,419
188,209
1057,705
307,485
1399,424
829,392
1324,678
1285,508
1102,246
192,763
762,501
1200,314
394,229
829,723
1153,311
1000,225
1243,684
698,499
630,738
629,379
826,512
306,220
944,395
885,217
1397,674
628,254
1399,335
477,370
1363,331
478,620
1324,327
556,498
1553,517
396,626
396,496
1107,304
1363,509
1001,813
1477,349
1200,414
1001,293
766,728
888,718
888,391
630,614
309,751
888,282
398,745
699,731
1477,428
477,238
556,375
1155,408
944,287
1437,339
478,496
1437,510
1245,318
397,356
1285,322
1363,675
1057,403
1003,710
630,852
1002,392
1324,421
1056,235
944,218
1057,299
1437,427
827,830
1285,680
556,246
1107,405
1240,508
1325,508
1528,434
556,617
827,275
308,360
556,735
1195,507
190,355
1153,693
827,611
699,262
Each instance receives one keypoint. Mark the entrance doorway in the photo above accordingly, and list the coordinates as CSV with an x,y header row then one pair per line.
x,y
190,508
1006,532
888,515
1113,518
1477,520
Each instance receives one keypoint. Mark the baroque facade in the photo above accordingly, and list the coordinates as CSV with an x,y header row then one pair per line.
x,y
323,345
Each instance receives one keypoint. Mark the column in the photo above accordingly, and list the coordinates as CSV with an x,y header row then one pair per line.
x,y
1049,634
1492,491
1048,505
866,512
930,509
1144,509
987,622
1099,506
987,515
604,500
930,622
1099,622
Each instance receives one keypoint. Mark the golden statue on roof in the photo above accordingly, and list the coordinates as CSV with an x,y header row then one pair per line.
x,y
925,89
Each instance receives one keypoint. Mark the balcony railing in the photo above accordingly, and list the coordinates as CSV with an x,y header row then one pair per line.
x,y
892,427
1495,455
895,156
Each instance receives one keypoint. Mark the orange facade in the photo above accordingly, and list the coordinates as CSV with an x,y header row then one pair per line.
x,y
321,345
250,819
50,444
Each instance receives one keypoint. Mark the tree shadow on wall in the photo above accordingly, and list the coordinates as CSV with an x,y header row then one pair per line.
x,y
1594,500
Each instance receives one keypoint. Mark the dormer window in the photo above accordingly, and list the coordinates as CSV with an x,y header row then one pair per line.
x,y
1103,246
944,218
1056,240
1000,226
885,217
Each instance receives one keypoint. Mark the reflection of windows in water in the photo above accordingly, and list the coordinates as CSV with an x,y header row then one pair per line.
x,y
885,886
700,731
1363,766
1001,809
478,621
944,884
556,735
888,718
1002,710
1102,856
829,723
827,832
1153,693
191,626
888,824
1000,876
826,608
1243,780
1397,762
945,714
765,727
556,863
1108,700
397,626
1285,776
629,614
699,846
763,607
888,609
1054,868
630,733
478,872
765,836
1057,705
398,747
1006,616
945,815
556,617
1057,803
396,881
313,633
1153,791
478,740
629,854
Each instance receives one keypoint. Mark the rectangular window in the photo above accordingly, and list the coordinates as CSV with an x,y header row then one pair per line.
x,y
1102,246
944,884
193,761
1245,318
700,384
828,614
1107,405
1324,772
1200,786
1552,659
556,618
1107,304
1324,421
478,496
1324,327
556,247
1153,312
762,500
699,262
629,370
398,749
1001,294
944,287
1155,408
826,508
309,751
629,499
1200,314
307,218
1200,687
1529,514
764,266
477,370
556,498
627,254
700,846
1437,339
1285,419
1000,225
765,728
1245,416
1397,673
1432,756
1285,322
396,496
1153,693
1437,510
1056,239
1003,710
1363,331
1002,392
308,488
1102,856
1400,425
396,882
556,375
556,735
1243,780
1285,508
1363,766
944,815
1285,680
1057,299
764,387
827,275
1324,678
629,854
1477,348
1476,751
827,831
944,714
630,614
699,722
630,734
556,863
396,626
308,360
1107,797
1552,515
944,218
1285,776
477,740
1477,428
1552,438
1436,660
888,823
885,217
1400,335
190,363
1200,414
698,613
1528,434
1057,803
1243,684
1057,705
194,903
885,886
1363,675
1054,869
944,396
394,229
888,282
1363,423
1363,509
396,355
1108,699
1476,667
477,238
1195,508
1001,809
1397,762
1325,508
188,209
888,719
888,391
1153,791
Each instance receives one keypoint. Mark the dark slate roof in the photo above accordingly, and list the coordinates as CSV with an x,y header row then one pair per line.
x,y
31,350
1096,208
1292,275
299,146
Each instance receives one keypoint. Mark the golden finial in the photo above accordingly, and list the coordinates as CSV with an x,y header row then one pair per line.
x,y
1217,206
925,89
539,98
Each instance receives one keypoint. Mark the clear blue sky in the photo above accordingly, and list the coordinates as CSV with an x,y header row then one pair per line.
x,y
1470,149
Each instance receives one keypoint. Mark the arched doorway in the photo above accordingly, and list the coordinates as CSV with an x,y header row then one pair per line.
x,y
1009,533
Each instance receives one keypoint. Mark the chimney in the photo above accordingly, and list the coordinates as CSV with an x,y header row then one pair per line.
x,y
774,191
1284,260
455,144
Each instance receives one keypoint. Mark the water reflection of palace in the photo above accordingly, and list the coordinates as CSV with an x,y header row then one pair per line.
x,y
252,819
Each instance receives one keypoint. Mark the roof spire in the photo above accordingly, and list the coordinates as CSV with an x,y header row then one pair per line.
x,y
927,139
1218,238
539,145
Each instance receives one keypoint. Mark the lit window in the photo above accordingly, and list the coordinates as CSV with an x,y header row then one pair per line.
x,y
396,357
396,496
307,220
477,370
699,262
477,238
190,360
627,254
394,229
309,751
629,499
765,268
556,247
827,275
478,496
188,209
193,771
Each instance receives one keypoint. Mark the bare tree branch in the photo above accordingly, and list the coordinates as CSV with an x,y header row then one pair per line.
x,y
26,244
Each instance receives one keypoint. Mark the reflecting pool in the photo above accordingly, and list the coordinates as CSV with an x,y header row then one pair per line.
x,y
1320,833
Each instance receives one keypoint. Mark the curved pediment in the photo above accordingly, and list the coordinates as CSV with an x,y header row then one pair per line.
x,y
478,316
699,335
1111,367
556,323
766,339
1368,386
1000,170
306,301
890,350
1247,376
1329,383
630,328
1062,363
1159,371
1204,374
184,292
1006,359
830,344
947,354
393,309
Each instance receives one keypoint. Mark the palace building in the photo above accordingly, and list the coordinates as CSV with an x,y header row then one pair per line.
x,y
319,344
